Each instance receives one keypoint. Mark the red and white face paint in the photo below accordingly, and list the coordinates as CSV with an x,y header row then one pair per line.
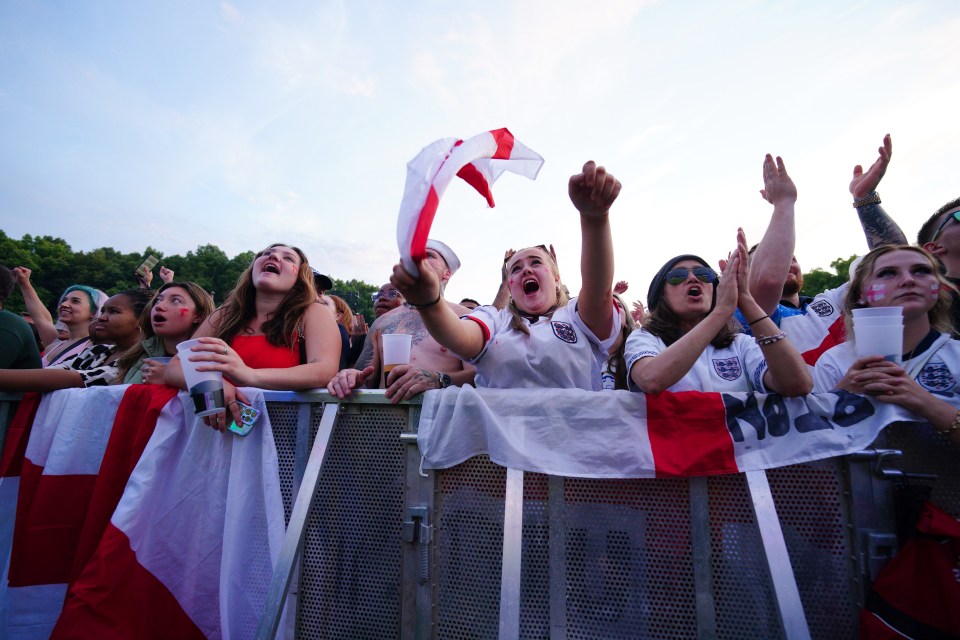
x,y
903,278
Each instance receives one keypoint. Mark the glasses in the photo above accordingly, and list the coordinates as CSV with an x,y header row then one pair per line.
x,y
679,275
388,295
953,216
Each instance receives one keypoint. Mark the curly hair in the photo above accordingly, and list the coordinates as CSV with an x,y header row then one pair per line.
x,y
280,328
939,314
136,353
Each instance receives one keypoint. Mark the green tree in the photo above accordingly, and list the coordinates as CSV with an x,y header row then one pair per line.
x,y
820,280
356,293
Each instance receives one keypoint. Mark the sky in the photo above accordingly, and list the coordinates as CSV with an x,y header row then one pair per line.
x,y
183,123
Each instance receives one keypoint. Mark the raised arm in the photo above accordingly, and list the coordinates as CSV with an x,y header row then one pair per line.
x,y
592,192
787,373
771,260
41,316
878,227
463,337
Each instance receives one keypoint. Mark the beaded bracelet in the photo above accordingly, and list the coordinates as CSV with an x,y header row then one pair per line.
x,y
873,198
765,340
953,427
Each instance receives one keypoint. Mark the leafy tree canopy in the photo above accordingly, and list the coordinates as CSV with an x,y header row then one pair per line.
x,y
56,266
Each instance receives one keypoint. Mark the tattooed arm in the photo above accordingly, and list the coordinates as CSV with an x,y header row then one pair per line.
x,y
878,227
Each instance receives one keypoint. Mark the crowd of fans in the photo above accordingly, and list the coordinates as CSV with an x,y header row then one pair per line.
x,y
748,328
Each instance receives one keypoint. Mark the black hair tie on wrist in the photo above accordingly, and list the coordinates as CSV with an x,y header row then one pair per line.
x,y
428,305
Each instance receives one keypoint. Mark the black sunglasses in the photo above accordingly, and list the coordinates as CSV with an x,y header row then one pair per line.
x,y
679,275
953,216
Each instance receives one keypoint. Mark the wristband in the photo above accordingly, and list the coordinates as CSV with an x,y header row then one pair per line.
x,y
873,198
750,324
765,340
953,427
418,307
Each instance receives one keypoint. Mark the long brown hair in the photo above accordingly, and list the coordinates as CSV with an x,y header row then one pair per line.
x,y
134,354
939,314
617,363
280,327
662,322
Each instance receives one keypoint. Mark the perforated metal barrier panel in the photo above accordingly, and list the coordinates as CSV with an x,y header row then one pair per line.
x,y
600,558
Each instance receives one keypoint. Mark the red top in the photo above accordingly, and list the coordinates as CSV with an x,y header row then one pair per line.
x,y
257,353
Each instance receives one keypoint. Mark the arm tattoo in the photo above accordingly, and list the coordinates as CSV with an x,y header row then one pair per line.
x,y
878,227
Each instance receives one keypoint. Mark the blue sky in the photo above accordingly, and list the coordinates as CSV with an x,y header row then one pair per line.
x,y
176,124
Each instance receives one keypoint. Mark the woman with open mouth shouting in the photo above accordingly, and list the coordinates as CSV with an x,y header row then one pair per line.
x,y
690,342
271,333
543,339
175,312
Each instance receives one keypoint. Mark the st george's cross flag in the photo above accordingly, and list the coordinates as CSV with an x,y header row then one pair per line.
x,y
620,434
479,161
135,520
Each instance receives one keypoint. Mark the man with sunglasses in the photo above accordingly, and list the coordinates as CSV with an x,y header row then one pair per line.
x,y
431,366
940,235
813,324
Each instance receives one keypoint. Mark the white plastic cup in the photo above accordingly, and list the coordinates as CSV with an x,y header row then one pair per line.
x,y
206,387
879,321
873,312
879,341
396,350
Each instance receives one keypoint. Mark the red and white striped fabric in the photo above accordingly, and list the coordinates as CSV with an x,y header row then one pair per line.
x,y
122,521
480,161
618,434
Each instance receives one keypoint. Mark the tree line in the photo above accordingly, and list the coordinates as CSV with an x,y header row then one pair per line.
x,y
56,266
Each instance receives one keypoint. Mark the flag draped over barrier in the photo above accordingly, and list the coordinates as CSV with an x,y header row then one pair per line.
x,y
133,520
122,520
479,161
618,434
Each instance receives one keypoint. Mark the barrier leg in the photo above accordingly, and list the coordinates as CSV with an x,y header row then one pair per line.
x,y
702,570
792,618
293,539
512,549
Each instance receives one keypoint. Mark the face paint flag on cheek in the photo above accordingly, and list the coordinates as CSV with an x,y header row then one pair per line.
x,y
479,161
876,293
934,290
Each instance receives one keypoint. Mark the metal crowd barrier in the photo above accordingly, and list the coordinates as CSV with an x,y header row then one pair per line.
x,y
376,548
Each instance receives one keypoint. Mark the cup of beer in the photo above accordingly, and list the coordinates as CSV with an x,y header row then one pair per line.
x,y
396,350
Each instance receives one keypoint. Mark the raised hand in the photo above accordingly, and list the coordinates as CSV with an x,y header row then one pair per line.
x,y
359,326
22,275
621,287
166,275
778,187
421,291
638,312
593,190
863,184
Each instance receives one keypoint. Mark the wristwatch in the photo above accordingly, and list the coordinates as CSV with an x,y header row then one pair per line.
x,y
444,379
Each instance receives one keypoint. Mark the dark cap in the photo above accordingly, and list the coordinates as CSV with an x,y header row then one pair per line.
x,y
321,282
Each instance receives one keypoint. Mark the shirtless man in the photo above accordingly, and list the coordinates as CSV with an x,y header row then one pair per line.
x,y
431,366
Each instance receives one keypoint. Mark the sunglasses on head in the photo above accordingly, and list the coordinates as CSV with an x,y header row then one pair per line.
x,y
679,275
953,216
